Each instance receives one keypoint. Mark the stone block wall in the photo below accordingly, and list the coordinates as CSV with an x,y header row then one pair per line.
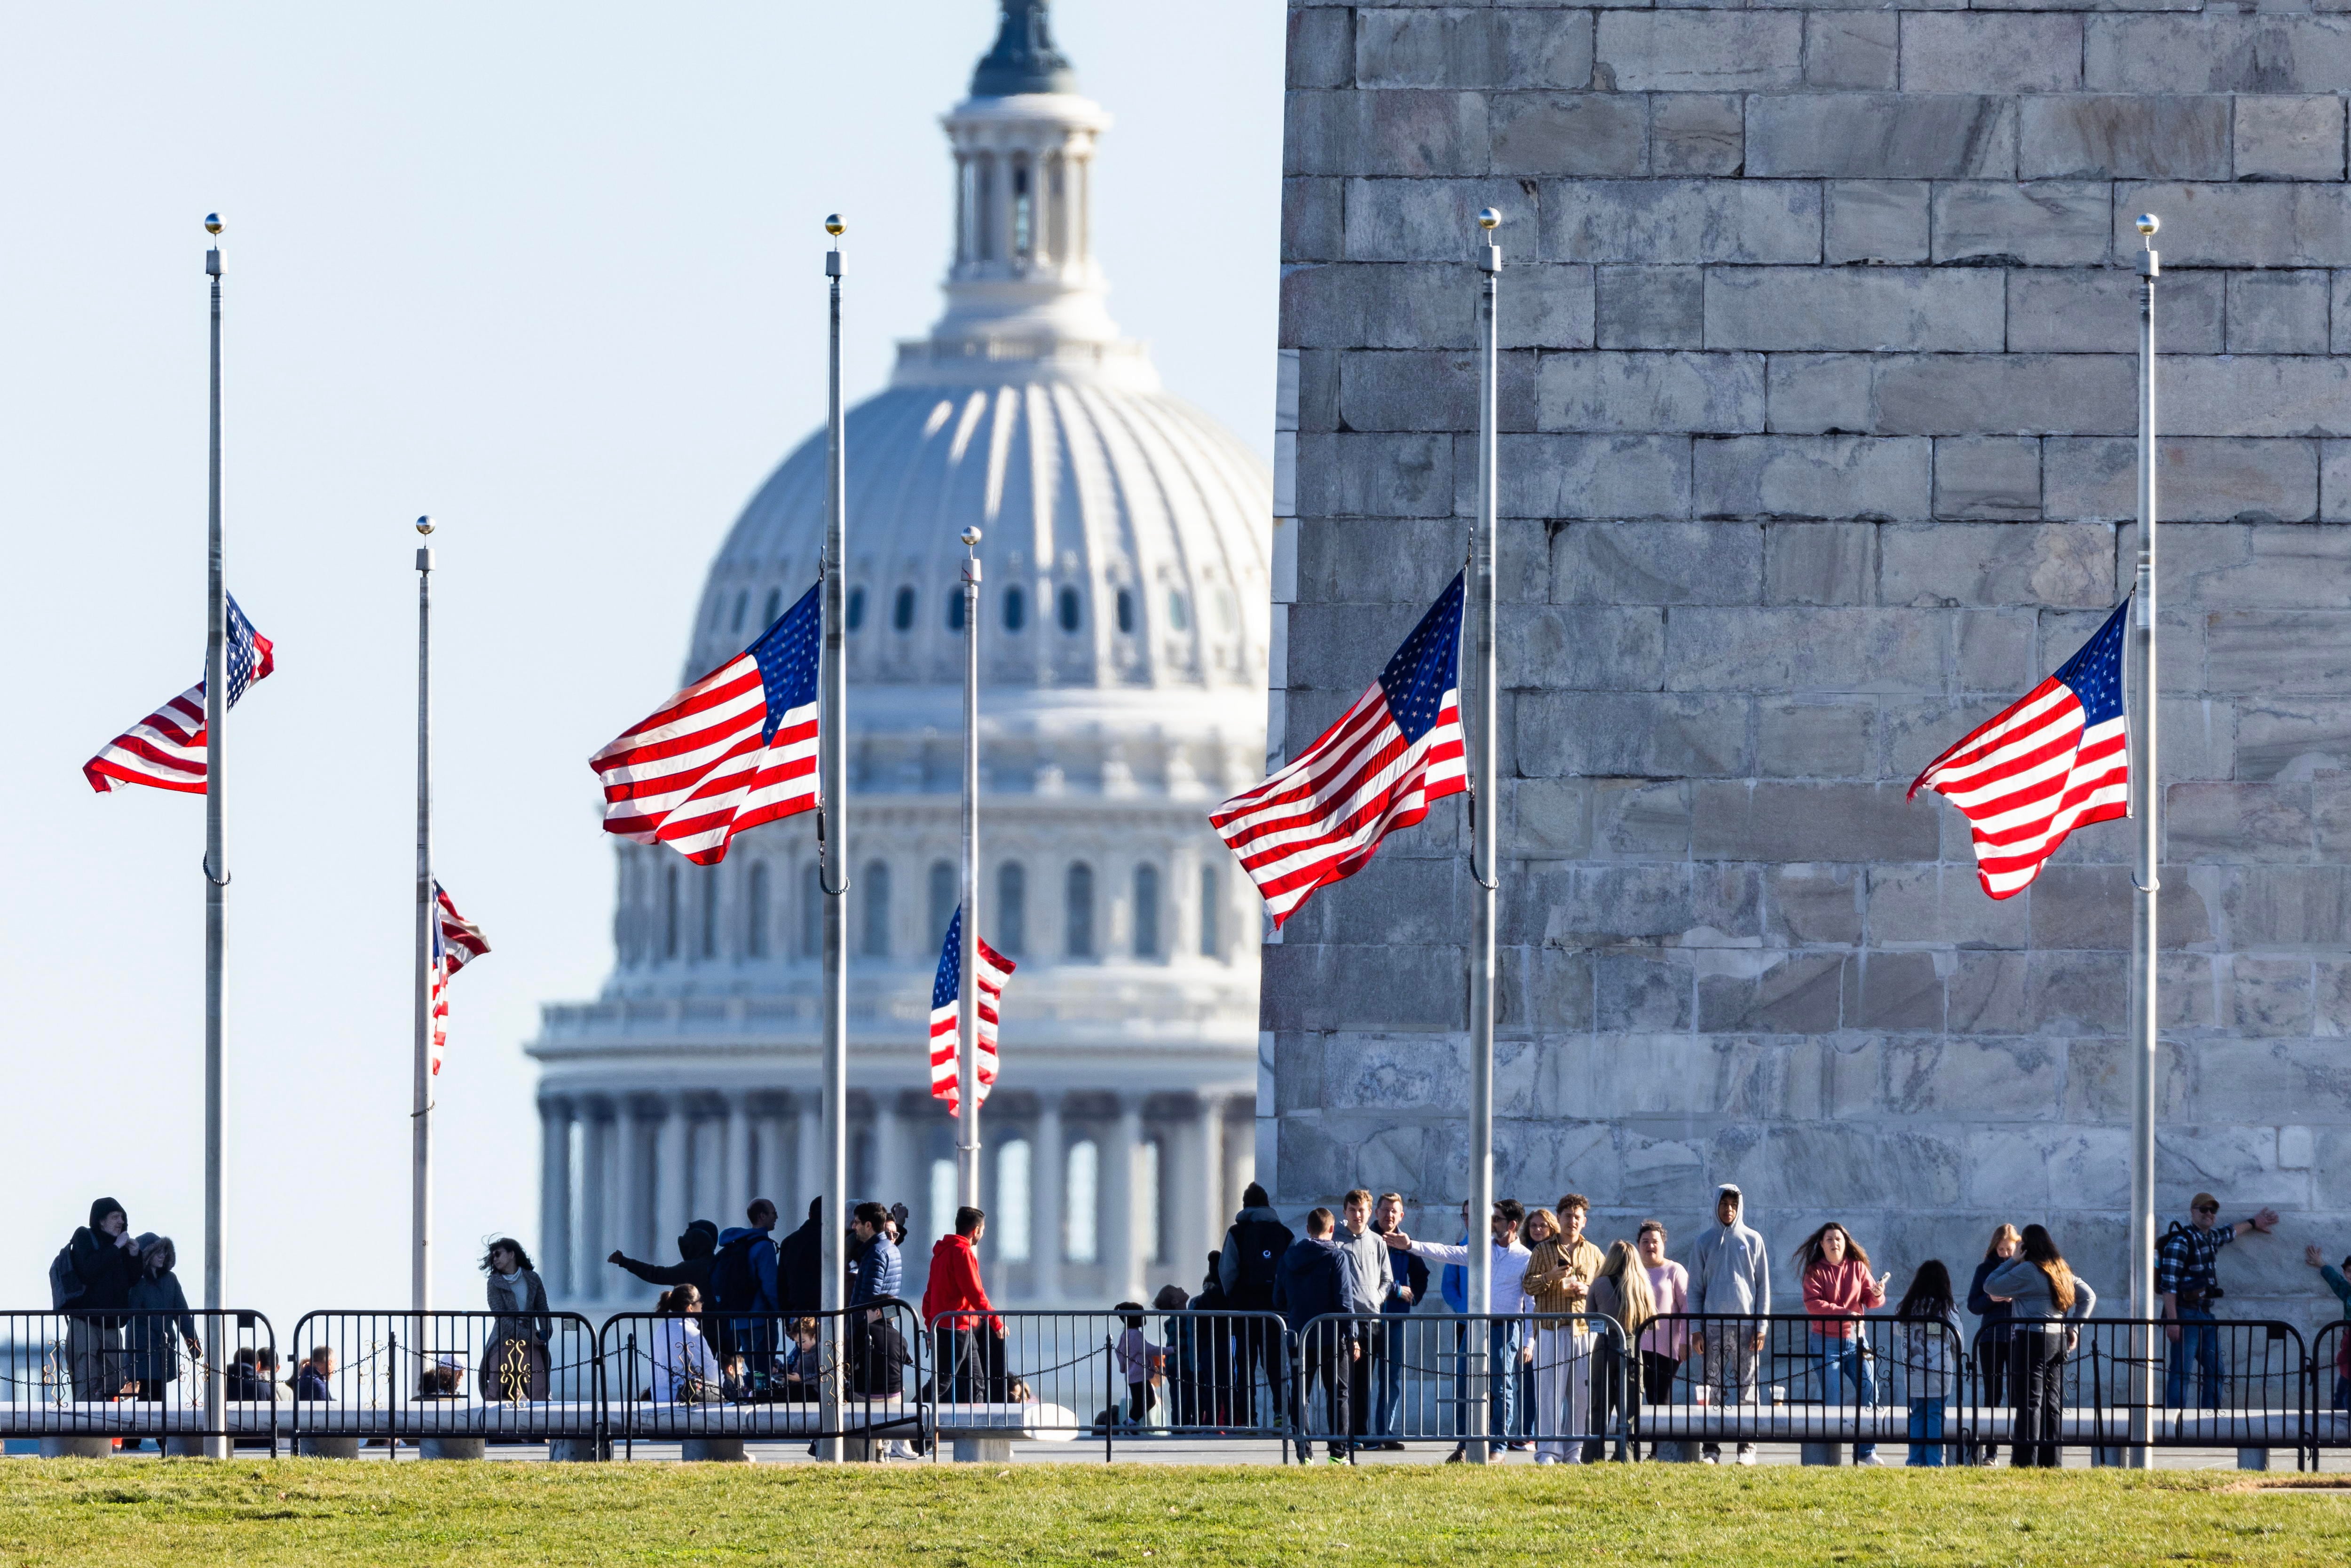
x,y
1818,406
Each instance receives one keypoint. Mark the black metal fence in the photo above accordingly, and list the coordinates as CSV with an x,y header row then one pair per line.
x,y
703,1378
497,1377
1556,1382
140,1376
2328,1396
2041,1387
1712,1378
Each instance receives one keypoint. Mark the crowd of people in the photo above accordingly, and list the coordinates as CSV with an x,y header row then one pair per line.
x,y
737,1319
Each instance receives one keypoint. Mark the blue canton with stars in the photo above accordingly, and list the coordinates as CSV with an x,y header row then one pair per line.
x,y
786,653
1423,669
238,653
948,986
2095,674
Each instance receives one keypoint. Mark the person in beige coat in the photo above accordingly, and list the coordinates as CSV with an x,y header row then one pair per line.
x,y
1560,1265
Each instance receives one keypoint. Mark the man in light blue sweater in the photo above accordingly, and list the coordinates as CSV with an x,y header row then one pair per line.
x,y
1730,1275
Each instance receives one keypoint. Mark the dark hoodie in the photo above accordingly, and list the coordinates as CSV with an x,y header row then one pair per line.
x,y
800,1264
697,1254
1252,1253
106,1270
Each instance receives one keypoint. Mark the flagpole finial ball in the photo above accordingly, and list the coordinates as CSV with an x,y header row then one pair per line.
x,y
2149,222
424,525
970,537
1488,218
212,222
833,225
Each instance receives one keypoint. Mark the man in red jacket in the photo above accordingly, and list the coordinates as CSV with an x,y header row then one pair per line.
x,y
969,1364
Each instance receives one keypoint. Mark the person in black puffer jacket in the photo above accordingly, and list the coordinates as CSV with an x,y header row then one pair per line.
x,y
105,1261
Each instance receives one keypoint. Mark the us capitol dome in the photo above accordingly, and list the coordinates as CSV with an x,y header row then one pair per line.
x,y
1124,627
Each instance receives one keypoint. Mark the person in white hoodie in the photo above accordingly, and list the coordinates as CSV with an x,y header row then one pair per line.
x,y
1510,1301
1731,1276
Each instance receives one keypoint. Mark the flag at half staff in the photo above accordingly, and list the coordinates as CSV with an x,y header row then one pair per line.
x,y
1399,747
2055,760
455,939
995,968
732,750
166,750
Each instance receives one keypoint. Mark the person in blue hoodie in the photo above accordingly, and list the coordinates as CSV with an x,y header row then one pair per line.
x,y
745,1304
1317,1278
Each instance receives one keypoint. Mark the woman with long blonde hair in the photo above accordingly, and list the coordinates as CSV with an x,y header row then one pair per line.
x,y
1992,1316
1621,1290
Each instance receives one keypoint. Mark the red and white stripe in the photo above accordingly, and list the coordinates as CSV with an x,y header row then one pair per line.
x,y
2028,775
947,1067
1320,819
695,773
166,750
458,939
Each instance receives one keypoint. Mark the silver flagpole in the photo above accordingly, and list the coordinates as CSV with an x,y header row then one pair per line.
x,y
1483,814
967,1002
420,1115
215,886
2147,800
832,834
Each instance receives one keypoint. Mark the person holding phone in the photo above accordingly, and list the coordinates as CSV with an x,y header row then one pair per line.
x,y
1838,1284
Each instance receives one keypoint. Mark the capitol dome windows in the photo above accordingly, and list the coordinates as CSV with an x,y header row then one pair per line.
x,y
755,923
856,608
1078,916
1126,611
1208,922
775,607
811,911
1011,919
1010,1233
1069,610
873,932
944,889
669,911
742,602
902,614
1081,1204
1146,912
954,613
1178,613
1016,608
709,932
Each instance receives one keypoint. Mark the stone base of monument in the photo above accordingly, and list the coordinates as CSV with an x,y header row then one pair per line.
x,y
983,1450
327,1448
713,1450
77,1447
452,1448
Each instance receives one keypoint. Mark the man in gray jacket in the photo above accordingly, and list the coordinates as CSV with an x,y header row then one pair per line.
x,y
1374,1277
1730,1274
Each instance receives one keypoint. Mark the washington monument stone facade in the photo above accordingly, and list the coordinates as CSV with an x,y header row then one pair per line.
x,y
1817,402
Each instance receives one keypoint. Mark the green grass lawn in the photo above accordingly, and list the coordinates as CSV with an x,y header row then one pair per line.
x,y
97,1513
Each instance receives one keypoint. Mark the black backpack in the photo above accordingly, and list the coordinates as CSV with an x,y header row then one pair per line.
x,y
734,1284
65,1287
1261,1242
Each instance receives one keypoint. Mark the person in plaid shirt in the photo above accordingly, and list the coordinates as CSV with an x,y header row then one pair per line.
x,y
2186,1277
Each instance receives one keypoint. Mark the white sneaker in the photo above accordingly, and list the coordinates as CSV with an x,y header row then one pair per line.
x,y
1710,1459
1747,1454
899,1451
1873,1460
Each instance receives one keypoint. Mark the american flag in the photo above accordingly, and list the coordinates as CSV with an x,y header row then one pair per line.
x,y
2055,760
1399,747
455,939
732,750
165,751
995,968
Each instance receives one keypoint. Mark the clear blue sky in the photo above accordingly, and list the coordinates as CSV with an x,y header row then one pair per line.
x,y
552,273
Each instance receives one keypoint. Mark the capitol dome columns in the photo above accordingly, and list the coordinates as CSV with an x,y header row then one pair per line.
x,y
555,1118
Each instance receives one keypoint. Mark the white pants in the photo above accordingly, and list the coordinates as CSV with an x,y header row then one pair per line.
x,y
1562,1390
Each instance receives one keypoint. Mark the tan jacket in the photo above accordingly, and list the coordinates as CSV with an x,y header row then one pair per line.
x,y
1553,1266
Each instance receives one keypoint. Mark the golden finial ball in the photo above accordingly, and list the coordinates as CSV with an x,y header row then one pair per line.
x,y
970,537
1490,219
424,525
2149,222
212,222
833,225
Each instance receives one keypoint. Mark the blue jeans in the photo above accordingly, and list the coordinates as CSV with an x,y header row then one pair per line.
x,y
1387,1399
1502,1378
1927,1432
1841,1359
2200,1339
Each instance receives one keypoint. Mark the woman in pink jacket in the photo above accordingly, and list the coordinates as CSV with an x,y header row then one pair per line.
x,y
1837,1282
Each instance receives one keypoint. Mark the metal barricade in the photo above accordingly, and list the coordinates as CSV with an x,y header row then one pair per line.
x,y
1716,1378
2326,1401
2239,1384
713,1381
1057,1377
80,1381
450,1382
1557,1383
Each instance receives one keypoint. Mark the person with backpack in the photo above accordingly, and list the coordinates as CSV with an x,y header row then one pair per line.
x,y
742,1297
94,1270
2187,1276
1247,1266
799,1265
